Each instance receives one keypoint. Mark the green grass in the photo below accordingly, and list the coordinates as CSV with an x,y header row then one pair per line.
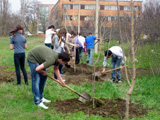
x,y
16,102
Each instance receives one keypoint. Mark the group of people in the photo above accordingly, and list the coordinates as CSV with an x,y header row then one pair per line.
x,y
60,47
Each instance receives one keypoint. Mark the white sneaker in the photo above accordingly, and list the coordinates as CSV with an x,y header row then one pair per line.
x,y
119,81
42,105
45,100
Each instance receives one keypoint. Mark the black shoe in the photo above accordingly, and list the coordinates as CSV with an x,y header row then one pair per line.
x,y
87,61
113,80
27,83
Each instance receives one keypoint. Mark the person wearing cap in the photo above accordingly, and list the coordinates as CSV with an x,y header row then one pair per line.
x,y
48,36
40,58
116,55
18,43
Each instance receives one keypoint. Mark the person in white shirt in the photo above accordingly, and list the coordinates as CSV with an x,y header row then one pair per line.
x,y
116,55
48,36
82,40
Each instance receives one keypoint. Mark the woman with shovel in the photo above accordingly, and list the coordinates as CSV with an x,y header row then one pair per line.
x,y
116,55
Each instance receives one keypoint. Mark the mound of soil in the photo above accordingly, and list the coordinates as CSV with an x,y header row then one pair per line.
x,y
9,75
108,108
84,73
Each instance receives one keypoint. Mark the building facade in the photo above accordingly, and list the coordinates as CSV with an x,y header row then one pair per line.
x,y
44,17
65,12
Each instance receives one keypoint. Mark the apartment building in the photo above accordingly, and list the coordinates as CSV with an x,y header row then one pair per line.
x,y
65,12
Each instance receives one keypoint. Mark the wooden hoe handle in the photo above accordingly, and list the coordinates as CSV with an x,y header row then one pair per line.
x,y
60,83
114,69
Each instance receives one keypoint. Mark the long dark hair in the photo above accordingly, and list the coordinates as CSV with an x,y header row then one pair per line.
x,y
13,32
62,32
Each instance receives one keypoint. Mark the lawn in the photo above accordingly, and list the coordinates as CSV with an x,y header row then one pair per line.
x,y
16,102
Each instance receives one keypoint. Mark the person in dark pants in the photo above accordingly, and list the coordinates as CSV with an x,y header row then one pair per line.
x,y
78,49
40,58
18,43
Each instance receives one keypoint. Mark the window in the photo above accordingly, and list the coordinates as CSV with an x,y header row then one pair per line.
x,y
127,8
89,18
82,6
76,6
66,6
113,18
121,7
90,7
110,7
101,7
82,18
136,8
75,17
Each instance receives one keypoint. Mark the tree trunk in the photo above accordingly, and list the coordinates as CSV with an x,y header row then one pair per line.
x,y
133,63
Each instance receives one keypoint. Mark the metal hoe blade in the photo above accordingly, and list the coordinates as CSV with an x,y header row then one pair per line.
x,y
86,97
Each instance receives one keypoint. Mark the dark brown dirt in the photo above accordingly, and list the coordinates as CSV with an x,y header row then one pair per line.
x,y
84,73
9,75
109,108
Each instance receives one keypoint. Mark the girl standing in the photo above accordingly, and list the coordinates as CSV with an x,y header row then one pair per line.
x,y
18,43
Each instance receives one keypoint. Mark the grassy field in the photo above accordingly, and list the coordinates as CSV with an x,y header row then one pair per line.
x,y
16,102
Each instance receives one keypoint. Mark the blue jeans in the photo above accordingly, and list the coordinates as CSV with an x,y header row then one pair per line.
x,y
60,66
90,55
19,62
49,45
81,53
38,82
115,63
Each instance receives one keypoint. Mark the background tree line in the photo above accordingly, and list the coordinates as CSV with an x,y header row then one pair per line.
x,y
147,24
26,16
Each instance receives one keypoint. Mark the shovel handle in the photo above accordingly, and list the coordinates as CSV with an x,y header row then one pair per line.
x,y
67,87
60,83
114,69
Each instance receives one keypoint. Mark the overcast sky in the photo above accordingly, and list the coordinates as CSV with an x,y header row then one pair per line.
x,y
15,4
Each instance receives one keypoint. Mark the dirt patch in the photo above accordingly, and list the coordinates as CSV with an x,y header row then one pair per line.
x,y
109,108
84,73
9,75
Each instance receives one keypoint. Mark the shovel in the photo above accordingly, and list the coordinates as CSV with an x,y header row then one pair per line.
x,y
100,73
84,97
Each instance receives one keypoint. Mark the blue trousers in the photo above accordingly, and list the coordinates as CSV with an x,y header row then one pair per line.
x,y
90,55
38,82
115,63
49,45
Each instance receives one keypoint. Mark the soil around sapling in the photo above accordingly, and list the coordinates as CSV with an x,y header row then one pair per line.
x,y
84,73
107,109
